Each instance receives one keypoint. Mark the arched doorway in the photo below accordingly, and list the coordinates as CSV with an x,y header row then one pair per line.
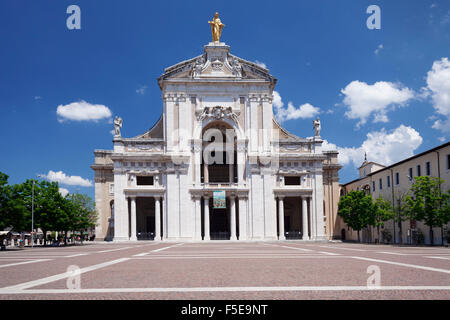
x,y
219,157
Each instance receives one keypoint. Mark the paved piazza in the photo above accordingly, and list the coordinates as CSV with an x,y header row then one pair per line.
x,y
226,270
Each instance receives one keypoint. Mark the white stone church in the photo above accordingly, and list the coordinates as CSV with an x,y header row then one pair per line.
x,y
216,165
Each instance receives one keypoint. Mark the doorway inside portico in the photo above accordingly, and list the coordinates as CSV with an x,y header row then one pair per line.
x,y
219,221
293,218
145,218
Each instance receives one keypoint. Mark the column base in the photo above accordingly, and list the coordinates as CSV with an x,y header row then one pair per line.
x,y
133,238
281,238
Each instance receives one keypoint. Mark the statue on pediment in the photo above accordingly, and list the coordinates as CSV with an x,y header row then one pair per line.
x,y
117,126
317,127
198,67
216,27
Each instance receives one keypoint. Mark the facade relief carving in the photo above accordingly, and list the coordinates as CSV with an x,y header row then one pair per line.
x,y
218,113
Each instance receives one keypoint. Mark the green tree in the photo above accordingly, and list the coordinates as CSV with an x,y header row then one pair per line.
x,y
83,212
427,203
4,201
49,213
400,213
382,213
357,210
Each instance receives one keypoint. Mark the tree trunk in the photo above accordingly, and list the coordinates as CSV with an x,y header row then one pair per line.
x,y
378,231
45,237
431,236
442,235
359,240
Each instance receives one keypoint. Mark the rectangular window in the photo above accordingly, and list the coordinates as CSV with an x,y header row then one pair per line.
x,y
419,171
381,184
397,178
428,168
388,181
111,188
291,181
373,186
448,162
410,174
144,180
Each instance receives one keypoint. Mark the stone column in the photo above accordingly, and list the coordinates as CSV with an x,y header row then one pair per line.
x,y
197,160
305,219
233,218
241,147
157,219
207,232
312,215
231,173
281,218
133,219
164,219
205,173
242,218
198,219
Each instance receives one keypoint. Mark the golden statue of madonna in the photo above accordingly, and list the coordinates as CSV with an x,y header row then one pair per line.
x,y
216,27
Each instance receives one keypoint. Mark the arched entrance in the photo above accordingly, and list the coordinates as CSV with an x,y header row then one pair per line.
x,y
219,157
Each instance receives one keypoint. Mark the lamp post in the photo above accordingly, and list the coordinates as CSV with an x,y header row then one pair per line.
x,y
32,215
32,210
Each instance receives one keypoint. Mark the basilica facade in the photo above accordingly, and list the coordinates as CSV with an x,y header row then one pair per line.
x,y
216,165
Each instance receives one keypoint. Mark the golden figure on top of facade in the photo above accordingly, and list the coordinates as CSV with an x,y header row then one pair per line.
x,y
216,27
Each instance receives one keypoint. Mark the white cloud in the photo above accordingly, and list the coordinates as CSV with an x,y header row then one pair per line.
x,y
438,82
363,99
141,90
378,49
64,192
62,178
304,111
277,102
37,98
113,132
381,147
438,88
261,64
82,111
442,125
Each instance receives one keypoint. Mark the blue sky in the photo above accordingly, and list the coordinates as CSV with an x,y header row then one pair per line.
x,y
385,92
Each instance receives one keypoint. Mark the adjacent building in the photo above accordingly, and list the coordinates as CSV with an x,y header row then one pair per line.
x,y
393,182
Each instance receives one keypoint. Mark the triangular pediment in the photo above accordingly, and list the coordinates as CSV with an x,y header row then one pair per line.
x,y
217,63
